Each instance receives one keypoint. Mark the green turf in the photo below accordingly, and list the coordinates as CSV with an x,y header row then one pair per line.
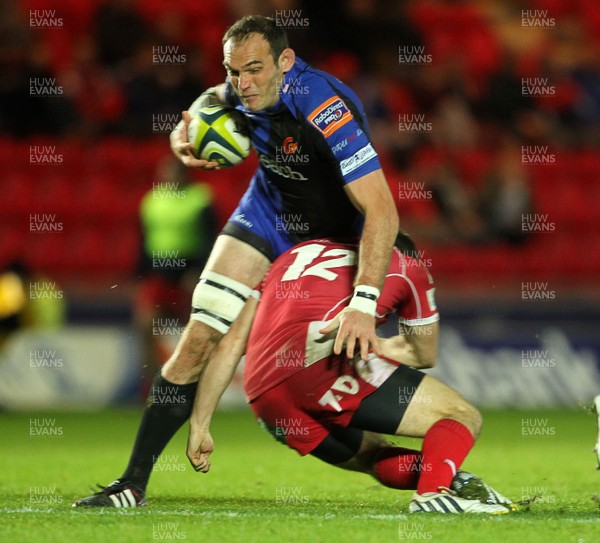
x,y
259,491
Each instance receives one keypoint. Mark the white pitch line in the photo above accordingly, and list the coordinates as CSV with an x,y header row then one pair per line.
x,y
153,511
328,516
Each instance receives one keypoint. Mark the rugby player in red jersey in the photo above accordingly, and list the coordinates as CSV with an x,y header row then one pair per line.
x,y
337,408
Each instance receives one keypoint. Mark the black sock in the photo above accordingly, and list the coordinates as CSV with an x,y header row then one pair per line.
x,y
168,406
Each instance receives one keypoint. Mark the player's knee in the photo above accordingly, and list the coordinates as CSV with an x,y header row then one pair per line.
x,y
468,415
218,300
460,410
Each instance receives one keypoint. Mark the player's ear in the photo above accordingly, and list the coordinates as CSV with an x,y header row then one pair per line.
x,y
287,59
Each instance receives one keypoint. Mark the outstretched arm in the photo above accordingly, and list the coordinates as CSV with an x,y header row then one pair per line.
x,y
213,382
371,196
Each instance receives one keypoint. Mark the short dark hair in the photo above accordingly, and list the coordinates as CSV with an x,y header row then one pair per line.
x,y
257,24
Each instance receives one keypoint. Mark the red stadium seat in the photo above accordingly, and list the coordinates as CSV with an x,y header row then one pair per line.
x,y
101,200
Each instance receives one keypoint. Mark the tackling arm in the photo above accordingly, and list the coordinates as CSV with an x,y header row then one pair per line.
x,y
371,196
213,382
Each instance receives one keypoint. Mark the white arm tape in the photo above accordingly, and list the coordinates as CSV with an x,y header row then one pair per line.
x,y
365,299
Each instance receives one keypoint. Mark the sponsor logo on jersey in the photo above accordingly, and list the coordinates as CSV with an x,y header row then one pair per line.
x,y
280,169
289,153
241,218
357,159
344,143
330,116
337,148
290,146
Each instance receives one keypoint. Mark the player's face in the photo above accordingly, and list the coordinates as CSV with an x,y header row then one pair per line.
x,y
253,71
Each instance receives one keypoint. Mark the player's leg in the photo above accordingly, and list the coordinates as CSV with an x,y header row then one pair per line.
x,y
233,269
371,453
410,403
444,424
370,412
449,426
335,411
400,468
217,301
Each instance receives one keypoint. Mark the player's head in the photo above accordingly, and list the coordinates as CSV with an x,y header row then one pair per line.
x,y
256,56
406,245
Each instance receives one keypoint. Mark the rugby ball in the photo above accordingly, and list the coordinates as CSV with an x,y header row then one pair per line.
x,y
216,134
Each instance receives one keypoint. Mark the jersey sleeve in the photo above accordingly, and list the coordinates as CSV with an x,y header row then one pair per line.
x,y
418,307
408,295
338,117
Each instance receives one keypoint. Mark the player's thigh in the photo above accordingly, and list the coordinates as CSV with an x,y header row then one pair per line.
x,y
383,409
237,260
232,271
233,268
432,401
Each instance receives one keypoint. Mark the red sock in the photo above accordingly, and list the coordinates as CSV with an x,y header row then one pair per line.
x,y
445,447
397,467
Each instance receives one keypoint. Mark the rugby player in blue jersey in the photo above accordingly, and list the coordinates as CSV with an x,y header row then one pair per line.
x,y
319,176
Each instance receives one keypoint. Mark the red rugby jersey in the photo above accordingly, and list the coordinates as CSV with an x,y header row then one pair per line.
x,y
309,285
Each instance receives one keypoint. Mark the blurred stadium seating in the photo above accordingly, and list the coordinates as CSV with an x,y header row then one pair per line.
x,y
96,188
96,192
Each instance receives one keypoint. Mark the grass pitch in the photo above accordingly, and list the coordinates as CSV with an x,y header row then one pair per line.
x,y
259,491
